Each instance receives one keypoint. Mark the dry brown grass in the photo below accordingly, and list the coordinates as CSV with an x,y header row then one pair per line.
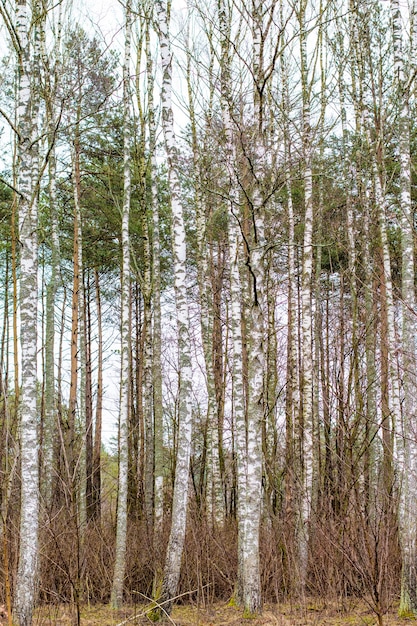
x,y
312,613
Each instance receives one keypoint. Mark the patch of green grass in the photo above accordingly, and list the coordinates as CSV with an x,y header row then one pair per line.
x,y
154,614
406,614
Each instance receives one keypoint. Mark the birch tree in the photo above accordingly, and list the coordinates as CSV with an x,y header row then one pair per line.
x,y
156,298
121,531
233,205
292,394
27,127
408,455
248,412
180,495
290,216
306,415
257,161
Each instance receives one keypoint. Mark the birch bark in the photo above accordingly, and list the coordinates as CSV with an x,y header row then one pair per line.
x,y
306,425
252,601
156,297
25,589
248,414
292,399
408,497
149,480
121,529
235,292
180,495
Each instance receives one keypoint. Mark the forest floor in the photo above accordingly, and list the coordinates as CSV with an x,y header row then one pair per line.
x,y
314,613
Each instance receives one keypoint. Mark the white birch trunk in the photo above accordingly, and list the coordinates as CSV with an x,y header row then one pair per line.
x,y
147,377
121,529
156,294
238,398
25,588
408,469
248,427
252,601
238,390
180,496
306,426
146,288
292,400
251,564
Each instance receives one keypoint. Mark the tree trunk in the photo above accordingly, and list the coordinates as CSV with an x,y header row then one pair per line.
x,y
121,530
214,497
96,469
88,400
159,465
306,421
26,581
180,496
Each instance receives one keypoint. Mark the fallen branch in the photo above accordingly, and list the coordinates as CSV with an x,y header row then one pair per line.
x,y
158,605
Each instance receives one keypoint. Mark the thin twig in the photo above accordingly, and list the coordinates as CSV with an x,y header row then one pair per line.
x,y
157,605
3,181
148,610
10,123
